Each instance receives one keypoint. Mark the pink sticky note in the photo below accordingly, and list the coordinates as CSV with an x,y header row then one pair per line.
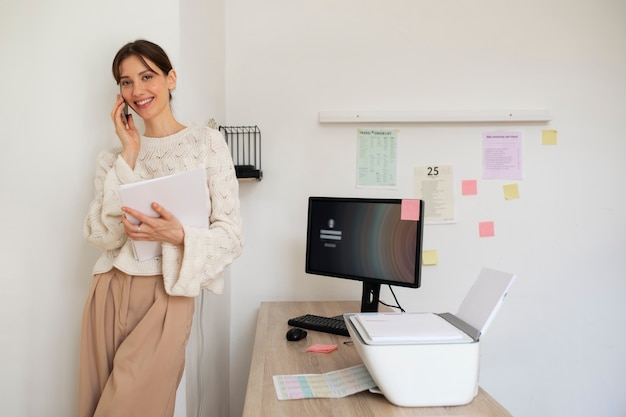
x,y
468,187
410,210
485,229
321,348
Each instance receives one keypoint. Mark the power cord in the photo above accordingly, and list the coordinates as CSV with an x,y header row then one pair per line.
x,y
398,306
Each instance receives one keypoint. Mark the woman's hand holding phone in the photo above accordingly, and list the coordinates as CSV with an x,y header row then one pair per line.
x,y
126,132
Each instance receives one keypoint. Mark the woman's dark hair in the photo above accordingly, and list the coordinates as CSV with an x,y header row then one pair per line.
x,y
142,49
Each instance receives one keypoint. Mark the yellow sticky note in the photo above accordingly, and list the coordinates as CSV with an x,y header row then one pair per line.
x,y
430,257
511,191
548,137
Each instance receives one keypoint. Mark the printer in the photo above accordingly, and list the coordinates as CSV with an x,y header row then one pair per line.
x,y
429,359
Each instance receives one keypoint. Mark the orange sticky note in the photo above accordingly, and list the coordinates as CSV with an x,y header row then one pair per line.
x,y
410,210
486,229
321,348
469,187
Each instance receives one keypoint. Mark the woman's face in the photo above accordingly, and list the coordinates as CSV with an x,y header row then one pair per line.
x,y
146,91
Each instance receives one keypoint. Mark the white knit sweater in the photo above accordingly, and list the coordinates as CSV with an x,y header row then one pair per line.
x,y
206,252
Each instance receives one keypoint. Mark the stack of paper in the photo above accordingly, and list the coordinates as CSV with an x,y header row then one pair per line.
x,y
182,194
385,328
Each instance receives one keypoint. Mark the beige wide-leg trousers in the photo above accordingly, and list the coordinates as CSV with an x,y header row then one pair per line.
x,y
132,347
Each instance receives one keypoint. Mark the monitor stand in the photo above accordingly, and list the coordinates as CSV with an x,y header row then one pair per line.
x,y
370,297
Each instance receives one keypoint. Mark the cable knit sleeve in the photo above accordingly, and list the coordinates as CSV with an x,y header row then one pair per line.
x,y
103,224
206,253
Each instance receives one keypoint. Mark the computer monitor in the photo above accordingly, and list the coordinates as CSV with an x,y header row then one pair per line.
x,y
373,240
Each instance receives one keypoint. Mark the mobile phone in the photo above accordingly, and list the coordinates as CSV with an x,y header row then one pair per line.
x,y
126,108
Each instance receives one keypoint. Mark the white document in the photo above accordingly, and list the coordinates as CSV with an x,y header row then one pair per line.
x,y
390,328
502,155
182,194
334,384
435,185
377,158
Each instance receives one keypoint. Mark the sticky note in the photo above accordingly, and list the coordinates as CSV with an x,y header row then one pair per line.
x,y
469,187
320,348
410,210
511,191
486,229
548,137
430,257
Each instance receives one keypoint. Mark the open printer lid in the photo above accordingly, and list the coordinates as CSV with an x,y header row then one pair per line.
x,y
484,299
477,310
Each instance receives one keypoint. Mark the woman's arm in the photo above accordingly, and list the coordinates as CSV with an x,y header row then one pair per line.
x,y
207,252
103,226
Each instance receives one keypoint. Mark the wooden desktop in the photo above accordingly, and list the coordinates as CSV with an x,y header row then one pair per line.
x,y
274,355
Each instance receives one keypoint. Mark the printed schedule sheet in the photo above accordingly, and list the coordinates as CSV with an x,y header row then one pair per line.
x,y
335,384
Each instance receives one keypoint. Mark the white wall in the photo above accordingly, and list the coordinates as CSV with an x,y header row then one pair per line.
x,y
557,347
200,97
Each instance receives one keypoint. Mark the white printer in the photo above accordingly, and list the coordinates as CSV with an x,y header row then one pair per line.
x,y
428,359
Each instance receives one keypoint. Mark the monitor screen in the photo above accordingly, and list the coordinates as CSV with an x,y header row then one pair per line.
x,y
365,239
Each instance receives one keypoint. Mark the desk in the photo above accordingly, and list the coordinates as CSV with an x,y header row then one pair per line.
x,y
274,355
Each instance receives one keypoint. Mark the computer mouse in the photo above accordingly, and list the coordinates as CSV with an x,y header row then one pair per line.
x,y
295,334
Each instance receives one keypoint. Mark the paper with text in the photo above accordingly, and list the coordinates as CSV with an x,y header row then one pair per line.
x,y
435,185
335,384
502,155
377,158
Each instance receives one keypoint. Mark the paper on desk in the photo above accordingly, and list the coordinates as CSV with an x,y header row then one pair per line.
x,y
335,384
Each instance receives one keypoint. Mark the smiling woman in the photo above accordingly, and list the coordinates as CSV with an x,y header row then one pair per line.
x,y
138,314
141,50
148,92
146,78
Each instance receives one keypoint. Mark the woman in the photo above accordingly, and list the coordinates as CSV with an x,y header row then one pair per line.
x,y
138,314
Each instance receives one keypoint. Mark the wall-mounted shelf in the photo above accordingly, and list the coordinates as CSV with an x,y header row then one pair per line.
x,y
244,143
434,116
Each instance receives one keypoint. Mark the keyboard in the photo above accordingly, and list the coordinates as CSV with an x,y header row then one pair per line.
x,y
334,325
